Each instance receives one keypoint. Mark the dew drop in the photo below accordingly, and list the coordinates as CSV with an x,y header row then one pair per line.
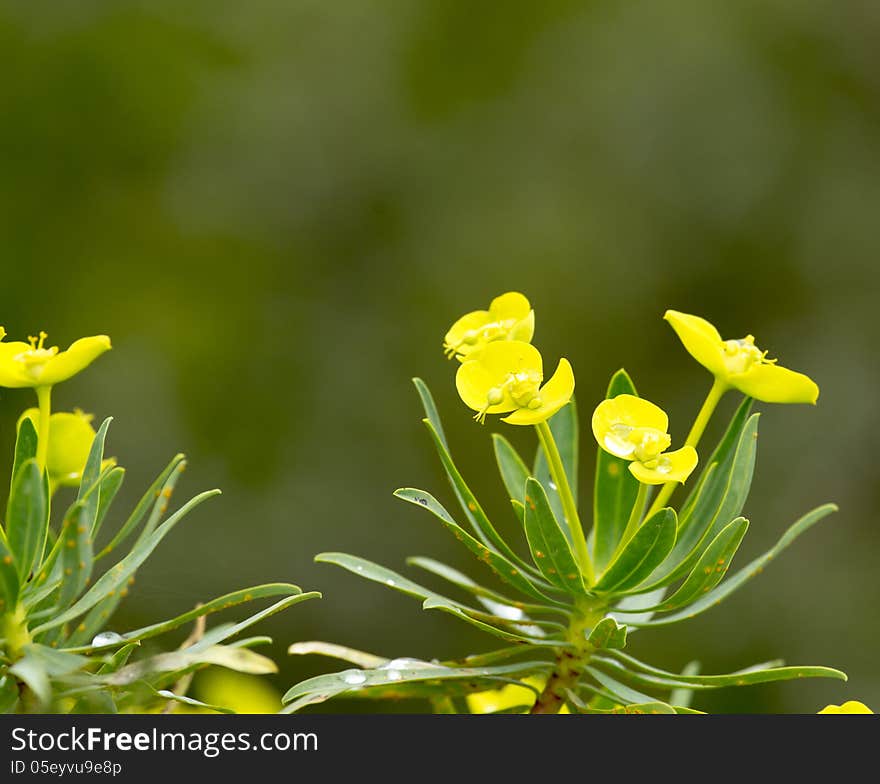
x,y
552,485
106,638
394,675
390,582
354,678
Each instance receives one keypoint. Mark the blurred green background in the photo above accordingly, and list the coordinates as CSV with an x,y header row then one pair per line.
x,y
276,209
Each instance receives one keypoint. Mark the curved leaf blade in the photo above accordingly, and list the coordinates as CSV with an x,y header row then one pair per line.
x,y
647,549
548,543
615,488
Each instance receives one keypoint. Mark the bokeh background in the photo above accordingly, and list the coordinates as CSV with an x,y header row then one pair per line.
x,y
275,209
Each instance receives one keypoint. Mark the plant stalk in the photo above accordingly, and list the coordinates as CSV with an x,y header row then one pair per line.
x,y
717,391
569,507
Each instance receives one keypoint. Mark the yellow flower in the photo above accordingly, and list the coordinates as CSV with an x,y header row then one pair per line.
x,y
32,365
634,429
848,707
510,696
507,376
510,317
70,439
740,364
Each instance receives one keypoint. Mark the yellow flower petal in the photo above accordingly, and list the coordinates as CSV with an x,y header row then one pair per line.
x,y
509,317
473,382
848,707
702,341
32,365
79,356
554,395
629,411
674,466
774,384
12,372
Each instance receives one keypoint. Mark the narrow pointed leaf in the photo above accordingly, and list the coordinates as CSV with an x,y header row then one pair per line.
x,y
548,544
642,554
350,655
76,551
467,584
754,568
564,426
110,485
470,506
215,605
447,606
118,575
503,567
148,499
710,568
615,488
27,517
511,467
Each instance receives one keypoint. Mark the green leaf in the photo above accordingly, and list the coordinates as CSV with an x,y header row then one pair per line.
x,y
464,582
215,605
684,697
621,691
503,568
151,498
645,708
32,671
27,517
475,619
218,635
25,447
380,574
238,659
350,655
430,409
608,634
511,467
564,426
118,575
8,694
653,677
398,677
76,551
548,544
9,581
718,500
167,694
92,471
110,485
647,549
755,567
710,568
470,506
615,488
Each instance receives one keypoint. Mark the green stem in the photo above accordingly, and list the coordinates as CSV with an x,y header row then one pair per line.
x,y
44,398
635,518
717,391
569,507
570,663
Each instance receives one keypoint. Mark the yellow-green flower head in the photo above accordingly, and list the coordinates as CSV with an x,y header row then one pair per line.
x,y
70,439
848,707
507,376
32,365
634,429
740,364
510,317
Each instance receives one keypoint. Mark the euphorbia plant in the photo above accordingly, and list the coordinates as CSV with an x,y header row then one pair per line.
x,y
58,651
567,610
